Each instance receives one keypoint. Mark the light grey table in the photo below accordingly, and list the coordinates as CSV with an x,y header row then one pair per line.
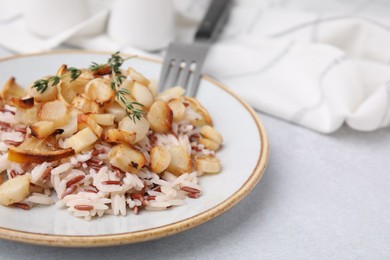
x,y
321,197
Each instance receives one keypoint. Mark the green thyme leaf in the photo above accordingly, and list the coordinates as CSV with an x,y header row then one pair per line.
x,y
74,73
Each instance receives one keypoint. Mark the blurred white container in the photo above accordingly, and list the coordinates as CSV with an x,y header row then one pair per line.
x,y
49,17
9,9
145,24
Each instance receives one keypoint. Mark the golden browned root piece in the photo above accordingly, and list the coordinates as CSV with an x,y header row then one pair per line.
x,y
22,103
103,119
160,117
86,105
140,128
55,111
208,164
12,90
138,77
42,129
119,136
81,140
142,94
171,93
68,89
100,91
127,158
27,116
34,150
199,116
14,190
160,158
180,161
178,109
84,121
49,95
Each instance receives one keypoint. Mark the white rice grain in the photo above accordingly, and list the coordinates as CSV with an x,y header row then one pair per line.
x,y
61,168
4,163
41,199
12,136
162,183
180,179
159,204
8,118
38,171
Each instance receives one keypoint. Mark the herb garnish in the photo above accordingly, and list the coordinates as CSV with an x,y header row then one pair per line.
x,y
111,67
114,63
42,84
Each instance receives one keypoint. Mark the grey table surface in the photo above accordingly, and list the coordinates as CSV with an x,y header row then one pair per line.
x,y
321,197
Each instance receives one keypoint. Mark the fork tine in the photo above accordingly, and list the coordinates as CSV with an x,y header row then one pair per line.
x,y
173,74
193,86
185,74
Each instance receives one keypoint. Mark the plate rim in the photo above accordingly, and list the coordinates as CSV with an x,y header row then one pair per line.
x,y
157,232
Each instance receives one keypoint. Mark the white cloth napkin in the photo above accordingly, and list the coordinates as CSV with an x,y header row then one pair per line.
x,y
318,64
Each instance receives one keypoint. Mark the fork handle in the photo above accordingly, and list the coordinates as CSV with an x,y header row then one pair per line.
x,y
215,18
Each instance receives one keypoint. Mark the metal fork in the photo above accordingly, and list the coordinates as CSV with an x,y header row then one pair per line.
x,y
183,62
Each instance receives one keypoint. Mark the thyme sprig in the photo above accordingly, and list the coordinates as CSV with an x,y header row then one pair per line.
x,y
112,67
42,84
114,63
120,93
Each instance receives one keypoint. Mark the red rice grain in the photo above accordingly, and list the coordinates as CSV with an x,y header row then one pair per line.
x,y
84,207
21,206
4,110
70,190
93,190
116,169
20,129
10,142
13,173
35,188
95,161
111,182
196,148
95,152
4,125
193,195
136,209
136,196
150,197
74,180
46,174
189,189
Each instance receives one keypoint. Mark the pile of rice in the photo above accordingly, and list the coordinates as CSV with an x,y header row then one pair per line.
x,y
88,186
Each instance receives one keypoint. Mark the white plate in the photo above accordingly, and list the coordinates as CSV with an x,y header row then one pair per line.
x,y
244,156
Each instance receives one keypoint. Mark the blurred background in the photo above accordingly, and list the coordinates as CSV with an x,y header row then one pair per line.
x,y
321,66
